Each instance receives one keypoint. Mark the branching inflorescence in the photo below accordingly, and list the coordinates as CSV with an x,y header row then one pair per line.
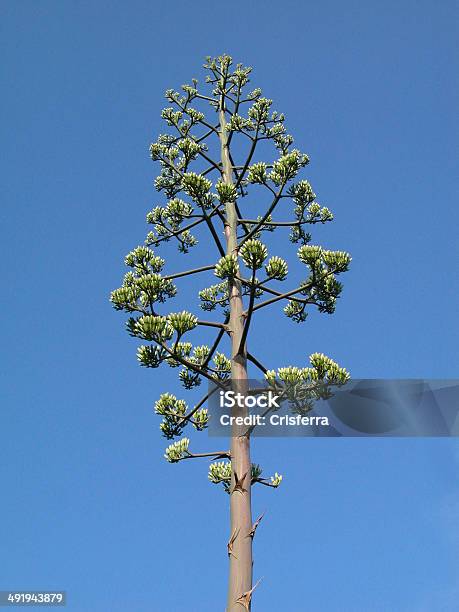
x,y
202,189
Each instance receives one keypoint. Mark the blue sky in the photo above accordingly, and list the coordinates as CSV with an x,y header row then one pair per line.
x,y
370,92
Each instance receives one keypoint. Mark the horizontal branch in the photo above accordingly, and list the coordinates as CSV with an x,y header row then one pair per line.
x,y
281,297
274,223
221,326
263,287
216,455
265,482
189,272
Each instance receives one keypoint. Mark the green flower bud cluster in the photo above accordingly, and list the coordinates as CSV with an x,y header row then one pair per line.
x,y
220,472
253,95
337,261
176,212
171,116
175,155
164,150
173,411
302,387
151,356
191,90
323,369
168,181
283,143
185,239
296,311
177,450
182,350
194,115
222,365
309,254
326,294
276,131
196,185
257,173
182,321
153,328
291,374
316,214
315,256
306,210
200,354
174,96
327,369
259,111
276,268
144,260
221,76
213,296
226,267
198,357
219,65
260,120
290,384
240,77
287,167
237,123
126,298
253,253
226,193
189,147
189,378
182,102
322,288
302,193
276,479
270,377
201,419
140,286
167,221
156,288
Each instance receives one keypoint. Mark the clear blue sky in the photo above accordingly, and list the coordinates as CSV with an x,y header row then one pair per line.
x,y
370,91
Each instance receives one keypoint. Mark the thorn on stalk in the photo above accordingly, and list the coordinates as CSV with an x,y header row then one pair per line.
x,y
239,483
255,525
246,598
231,542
